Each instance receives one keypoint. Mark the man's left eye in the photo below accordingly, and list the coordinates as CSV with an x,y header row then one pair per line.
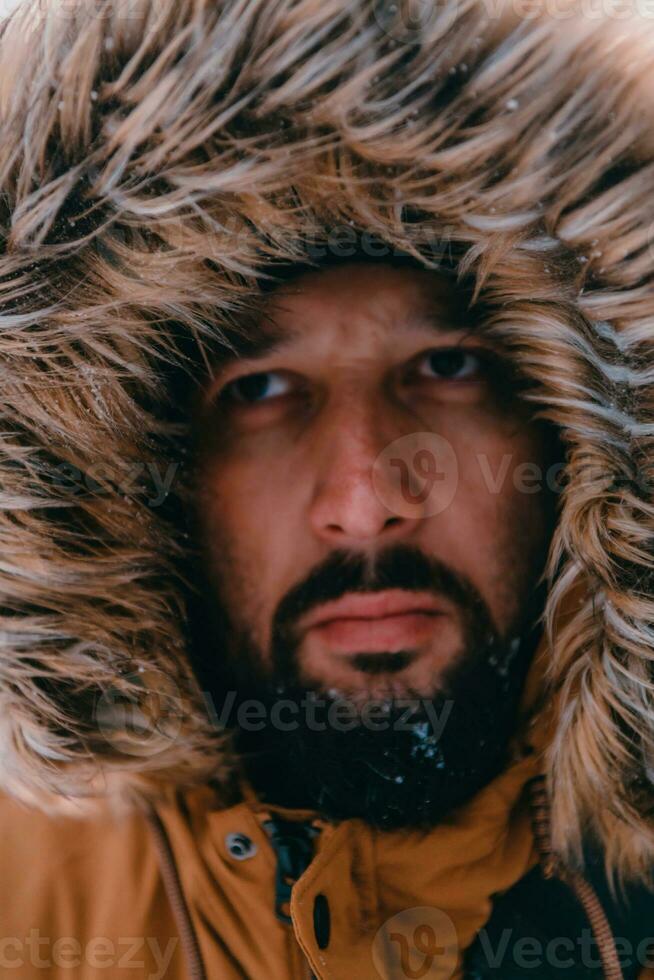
x,y
450,364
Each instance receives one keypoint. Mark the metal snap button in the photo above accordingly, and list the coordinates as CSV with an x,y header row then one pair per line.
x,y
321,920
240,846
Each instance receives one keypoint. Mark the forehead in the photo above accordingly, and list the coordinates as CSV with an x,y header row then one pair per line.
x,y
380,295
355,303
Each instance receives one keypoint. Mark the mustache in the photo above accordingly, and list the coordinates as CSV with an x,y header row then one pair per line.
x,y
396,567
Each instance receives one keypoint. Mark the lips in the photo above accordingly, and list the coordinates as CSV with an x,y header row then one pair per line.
x,y
389,620
377,605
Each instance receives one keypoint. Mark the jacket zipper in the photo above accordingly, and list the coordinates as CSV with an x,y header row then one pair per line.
x,y
292,843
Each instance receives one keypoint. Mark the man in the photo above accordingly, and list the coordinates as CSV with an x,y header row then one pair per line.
x,y
326,491
337,582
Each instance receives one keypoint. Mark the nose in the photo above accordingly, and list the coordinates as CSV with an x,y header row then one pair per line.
x,y
347,508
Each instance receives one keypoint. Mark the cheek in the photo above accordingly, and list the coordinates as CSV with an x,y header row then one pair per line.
x,y
495,530
245,517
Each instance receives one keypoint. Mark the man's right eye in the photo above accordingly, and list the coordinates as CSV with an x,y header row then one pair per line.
x,y
254,388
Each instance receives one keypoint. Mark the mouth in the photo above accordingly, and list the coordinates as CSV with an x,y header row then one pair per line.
x,y
383,621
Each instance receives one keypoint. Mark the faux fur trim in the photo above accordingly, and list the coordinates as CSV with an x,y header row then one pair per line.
x,y
155,157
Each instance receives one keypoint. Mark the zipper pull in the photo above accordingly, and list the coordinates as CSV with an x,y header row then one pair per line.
x,y
292,843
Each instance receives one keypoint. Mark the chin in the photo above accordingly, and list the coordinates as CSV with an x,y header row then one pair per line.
x,y
395,748
379,676
374,693
405,765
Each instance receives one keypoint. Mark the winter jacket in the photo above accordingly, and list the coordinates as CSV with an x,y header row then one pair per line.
x,y
156,158
198,886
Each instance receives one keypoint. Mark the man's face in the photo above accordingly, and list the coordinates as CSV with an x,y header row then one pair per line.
x,y
335,565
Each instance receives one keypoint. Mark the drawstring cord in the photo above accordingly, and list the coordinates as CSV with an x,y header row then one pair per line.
x,y
586,894
540,813
175,894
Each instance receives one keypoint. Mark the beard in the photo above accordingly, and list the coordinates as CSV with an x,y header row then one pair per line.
x,y
392,760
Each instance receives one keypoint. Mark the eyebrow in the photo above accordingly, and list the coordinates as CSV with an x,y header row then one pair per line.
x,y
257,342
250,344
443,321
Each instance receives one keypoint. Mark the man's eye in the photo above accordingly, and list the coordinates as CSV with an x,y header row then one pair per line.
x,y
253,388
451,364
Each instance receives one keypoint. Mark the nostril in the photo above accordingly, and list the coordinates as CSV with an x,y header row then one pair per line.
x,y
350,528
346,509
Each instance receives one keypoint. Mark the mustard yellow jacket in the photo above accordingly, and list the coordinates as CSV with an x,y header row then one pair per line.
x,y
87,899
195,889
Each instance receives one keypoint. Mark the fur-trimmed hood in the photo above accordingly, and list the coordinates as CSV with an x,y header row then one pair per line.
x,y
155,157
